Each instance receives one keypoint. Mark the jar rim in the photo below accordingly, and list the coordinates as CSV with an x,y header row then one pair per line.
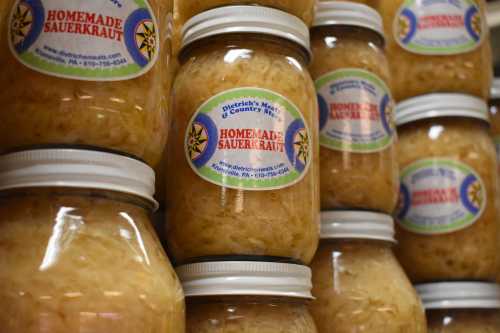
x,y
246,19
77,168
357,225
246,278
441,105
459,295
330,13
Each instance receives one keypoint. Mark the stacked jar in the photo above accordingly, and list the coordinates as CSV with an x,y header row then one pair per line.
x,y
243,195
359,179
448,227
357,133
247,297
351,274
462,307
244,137
437,46
86,74
78,251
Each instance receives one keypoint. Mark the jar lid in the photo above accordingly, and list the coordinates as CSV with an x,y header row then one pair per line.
x,y
348,13
77,168
495,89
246,278
246,19
357,225
441,105
459,295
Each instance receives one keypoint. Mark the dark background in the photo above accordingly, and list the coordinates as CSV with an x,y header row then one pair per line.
x,y
494,20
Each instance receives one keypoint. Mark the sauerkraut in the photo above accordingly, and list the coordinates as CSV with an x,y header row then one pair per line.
x,y
303,9
464,321
205,219
248,315
127,116
352,179
417,74
470,253
83,261
360,287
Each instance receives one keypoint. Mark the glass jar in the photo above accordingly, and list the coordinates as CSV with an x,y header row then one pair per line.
x,y
462,307
351,271
78,251
244,143
304,9
448,227
357,132
247,297
86,73
437,46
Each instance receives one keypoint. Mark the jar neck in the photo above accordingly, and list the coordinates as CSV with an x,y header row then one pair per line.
x,y
239,299
447,122
249,41
359,242
58,192
338,33
448,316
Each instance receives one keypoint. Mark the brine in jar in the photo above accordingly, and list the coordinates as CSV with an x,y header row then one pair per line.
x,y
461,307
78,251
303,9
86,73
351,271
437,46
243,169
247,297
358,165
447,218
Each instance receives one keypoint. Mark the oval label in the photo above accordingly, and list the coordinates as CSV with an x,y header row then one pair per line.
x,y
440,196
356,111
92,40
441,27
249,138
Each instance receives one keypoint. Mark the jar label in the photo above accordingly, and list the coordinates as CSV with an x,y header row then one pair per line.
x,y
249,138
439,27
95,40
440,196
356,111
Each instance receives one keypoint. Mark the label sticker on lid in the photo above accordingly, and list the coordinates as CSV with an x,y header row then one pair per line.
x,y
439,27
356,111
440,196
95,40
249,138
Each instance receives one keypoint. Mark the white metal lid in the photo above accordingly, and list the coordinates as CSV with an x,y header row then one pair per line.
x,y
441,105
348,13
357,225
246,278
495,89
246,19
77,168
459,295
